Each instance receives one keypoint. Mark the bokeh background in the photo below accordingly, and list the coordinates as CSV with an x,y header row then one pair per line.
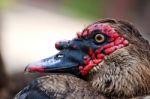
x,y
30,28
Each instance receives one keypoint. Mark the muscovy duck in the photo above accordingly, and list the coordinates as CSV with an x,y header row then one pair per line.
x,y
108,59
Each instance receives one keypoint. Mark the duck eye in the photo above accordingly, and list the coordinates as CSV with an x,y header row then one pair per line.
x,y
99,38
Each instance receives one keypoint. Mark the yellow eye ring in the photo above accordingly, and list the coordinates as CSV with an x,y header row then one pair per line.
x,y
99,38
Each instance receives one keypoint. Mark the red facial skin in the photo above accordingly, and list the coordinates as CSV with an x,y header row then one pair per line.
x,y
57,45
95,57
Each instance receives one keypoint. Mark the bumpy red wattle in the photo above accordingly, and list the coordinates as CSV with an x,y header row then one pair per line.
x,y
119,40
125,43
95,57
109,45
110,50
100,56
84,71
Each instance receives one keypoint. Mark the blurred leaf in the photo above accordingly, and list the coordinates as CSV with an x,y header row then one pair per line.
x,y
84,8
4,3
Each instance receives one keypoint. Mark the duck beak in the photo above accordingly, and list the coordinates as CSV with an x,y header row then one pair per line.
x,y
69,60
66,61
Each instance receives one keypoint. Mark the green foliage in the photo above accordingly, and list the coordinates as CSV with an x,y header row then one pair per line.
x,y
85,8
4,3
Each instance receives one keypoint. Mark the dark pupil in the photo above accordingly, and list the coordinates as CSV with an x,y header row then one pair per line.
x,y
99,37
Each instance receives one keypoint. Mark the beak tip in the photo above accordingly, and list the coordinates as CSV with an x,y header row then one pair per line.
x,y
27,69
30,68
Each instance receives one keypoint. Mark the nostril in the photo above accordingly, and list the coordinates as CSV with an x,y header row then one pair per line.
x,y
59,56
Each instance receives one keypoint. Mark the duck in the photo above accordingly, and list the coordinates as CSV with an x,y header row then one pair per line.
x,y
108,59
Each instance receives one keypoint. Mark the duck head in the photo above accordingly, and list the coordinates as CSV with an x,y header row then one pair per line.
x,y
81,54
110,53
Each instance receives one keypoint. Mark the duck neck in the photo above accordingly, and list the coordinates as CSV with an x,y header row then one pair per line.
x,y
122,74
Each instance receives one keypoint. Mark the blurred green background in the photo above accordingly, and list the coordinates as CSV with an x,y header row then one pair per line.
x,y
91,9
